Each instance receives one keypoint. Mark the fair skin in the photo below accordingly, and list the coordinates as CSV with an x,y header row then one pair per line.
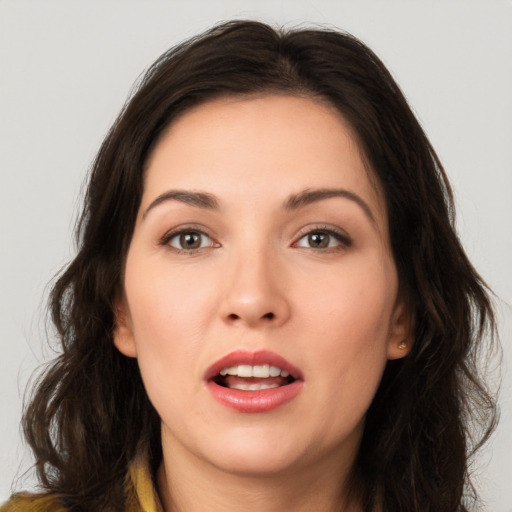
x,y
260,264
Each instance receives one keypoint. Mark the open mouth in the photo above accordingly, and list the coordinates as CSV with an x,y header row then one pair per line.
x,y
246,377
253,382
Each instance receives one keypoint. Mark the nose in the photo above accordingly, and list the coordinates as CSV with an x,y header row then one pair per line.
x,y
255,291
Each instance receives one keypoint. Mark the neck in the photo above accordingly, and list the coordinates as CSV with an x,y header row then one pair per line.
x,y
188,484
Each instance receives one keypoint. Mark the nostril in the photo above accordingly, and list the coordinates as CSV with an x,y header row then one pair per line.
x,y
267,316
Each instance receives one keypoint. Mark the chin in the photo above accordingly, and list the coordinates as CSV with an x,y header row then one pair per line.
x,y
256,454
257,464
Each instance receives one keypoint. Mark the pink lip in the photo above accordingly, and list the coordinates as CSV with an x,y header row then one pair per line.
x,y
254,401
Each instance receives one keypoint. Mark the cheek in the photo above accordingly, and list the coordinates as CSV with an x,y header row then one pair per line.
x,y
352,304
171,310
165,303
351,315
166,328
167,340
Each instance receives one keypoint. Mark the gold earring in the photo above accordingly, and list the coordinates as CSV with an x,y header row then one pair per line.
x,y
402,345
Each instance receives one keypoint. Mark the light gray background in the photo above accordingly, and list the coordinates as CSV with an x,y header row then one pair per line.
x,y
67,66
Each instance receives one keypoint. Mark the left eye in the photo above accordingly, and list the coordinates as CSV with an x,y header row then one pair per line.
x,y
321,240
190,240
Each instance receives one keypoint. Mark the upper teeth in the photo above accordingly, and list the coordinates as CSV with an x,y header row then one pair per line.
x,y
260,370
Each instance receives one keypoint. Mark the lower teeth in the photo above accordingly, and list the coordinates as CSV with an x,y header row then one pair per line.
x,y
253,387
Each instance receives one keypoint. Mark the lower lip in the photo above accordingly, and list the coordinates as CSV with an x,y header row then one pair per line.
x,y
264,400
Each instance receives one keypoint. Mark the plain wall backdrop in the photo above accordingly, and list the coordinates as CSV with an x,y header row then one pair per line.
x,y
66,68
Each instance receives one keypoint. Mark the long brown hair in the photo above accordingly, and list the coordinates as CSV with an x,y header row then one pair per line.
x,y
90,415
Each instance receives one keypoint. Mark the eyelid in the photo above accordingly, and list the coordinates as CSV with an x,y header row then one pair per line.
x,y
187,228
340,235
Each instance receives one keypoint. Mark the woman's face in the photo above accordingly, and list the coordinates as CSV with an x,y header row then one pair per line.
x,y
261,247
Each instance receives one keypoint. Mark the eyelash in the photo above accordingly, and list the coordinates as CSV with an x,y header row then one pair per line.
x,y
167,238
344,240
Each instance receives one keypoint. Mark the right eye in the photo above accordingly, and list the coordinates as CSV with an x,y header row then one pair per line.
x,y
189,240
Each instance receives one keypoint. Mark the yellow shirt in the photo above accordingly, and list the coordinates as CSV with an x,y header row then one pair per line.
x,y
142,496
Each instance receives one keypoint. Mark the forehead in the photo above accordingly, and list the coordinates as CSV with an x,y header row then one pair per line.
x,y
259,149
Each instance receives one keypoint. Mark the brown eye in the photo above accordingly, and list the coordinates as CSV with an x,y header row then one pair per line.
x,y
318,240
323,239
190,241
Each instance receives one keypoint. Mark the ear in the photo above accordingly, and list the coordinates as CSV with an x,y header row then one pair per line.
x,y
123,331
400,331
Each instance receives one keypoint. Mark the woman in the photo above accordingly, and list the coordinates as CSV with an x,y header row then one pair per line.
x,y
269,307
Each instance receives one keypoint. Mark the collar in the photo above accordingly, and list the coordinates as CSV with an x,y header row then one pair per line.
x,y
142,494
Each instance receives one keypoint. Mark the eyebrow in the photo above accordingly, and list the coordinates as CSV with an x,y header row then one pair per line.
x,y
197,199
309,196
294,202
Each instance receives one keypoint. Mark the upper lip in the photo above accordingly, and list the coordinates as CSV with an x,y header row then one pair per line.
x,y
252,358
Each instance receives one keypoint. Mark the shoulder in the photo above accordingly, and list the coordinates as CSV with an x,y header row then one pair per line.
x,y
25,502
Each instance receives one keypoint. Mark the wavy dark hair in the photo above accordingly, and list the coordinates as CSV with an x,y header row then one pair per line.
x,y
89,415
